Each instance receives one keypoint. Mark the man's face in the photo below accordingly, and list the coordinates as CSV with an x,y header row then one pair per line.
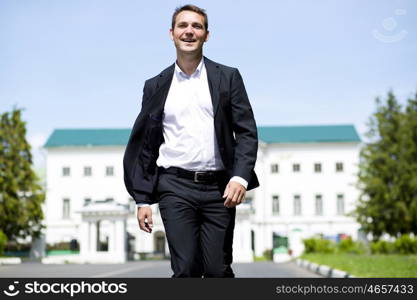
x,y
189,33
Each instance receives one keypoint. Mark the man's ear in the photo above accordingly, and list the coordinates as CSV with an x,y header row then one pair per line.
x,y
171,34
207,36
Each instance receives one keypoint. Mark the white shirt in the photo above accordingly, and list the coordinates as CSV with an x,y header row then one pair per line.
x,y
188,125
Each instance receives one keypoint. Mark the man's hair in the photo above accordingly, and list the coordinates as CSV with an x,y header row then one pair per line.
x,y
193,8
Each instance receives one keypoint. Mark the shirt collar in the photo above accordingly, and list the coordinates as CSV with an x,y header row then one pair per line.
x,y
181,75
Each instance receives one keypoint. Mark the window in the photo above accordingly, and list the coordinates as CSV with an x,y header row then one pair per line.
x,y
275,205
340,204
297,205
317,167
66,208
87,201
296,168
109,171
249,201
87,171
274,168
339,167
319,205
66,171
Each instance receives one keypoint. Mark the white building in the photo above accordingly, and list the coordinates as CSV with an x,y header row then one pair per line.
x,y
307,176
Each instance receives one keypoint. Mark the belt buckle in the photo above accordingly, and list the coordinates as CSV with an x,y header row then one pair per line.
x,y
196,176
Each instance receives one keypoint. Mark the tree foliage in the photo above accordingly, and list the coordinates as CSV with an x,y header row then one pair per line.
x,y
388,170
21,196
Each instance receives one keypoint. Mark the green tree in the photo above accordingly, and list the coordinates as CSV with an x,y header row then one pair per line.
x,y
409,164
3,242
21,196
387,171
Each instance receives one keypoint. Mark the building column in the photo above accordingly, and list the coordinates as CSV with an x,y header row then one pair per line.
x,y
242,236
84,233
120,241
93,238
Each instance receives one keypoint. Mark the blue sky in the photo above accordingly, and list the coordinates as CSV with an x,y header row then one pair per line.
x,y
82,63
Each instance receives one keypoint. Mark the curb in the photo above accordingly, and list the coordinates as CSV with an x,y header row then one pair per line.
x,y
62,259
10,261
323,270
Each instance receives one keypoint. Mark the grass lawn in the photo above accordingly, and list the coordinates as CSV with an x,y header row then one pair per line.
x,y
369,265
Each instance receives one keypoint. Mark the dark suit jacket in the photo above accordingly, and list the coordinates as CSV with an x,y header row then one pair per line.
x,y
234,124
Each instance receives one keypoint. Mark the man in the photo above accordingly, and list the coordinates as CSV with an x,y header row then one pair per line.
x,y
193,149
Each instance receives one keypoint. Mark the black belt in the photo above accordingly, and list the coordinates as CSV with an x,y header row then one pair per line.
x,y
196,176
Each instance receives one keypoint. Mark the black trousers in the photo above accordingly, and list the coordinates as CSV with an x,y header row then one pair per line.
x,y
199,228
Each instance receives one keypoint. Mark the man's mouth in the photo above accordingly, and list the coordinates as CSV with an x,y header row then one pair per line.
x,y
188,40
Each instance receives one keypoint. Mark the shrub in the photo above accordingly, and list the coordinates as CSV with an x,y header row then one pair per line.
x,y
267,254
382,247
406,245
3,242
13,246
318,245
310,245
72,245
402,245
352,247
325,246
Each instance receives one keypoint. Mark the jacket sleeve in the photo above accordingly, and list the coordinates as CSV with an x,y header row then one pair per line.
x,y
133,172
244,127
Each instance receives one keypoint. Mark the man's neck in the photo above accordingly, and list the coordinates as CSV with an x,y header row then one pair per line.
x,y
188,63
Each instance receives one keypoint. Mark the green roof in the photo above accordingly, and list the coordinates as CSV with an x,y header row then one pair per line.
x,y
85,137
267,134
308,134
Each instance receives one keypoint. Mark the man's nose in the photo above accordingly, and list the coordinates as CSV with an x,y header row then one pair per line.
x,y
189,30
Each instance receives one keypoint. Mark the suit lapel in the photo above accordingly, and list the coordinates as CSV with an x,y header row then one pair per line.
x,y
213,77
164,82
165,77
161,89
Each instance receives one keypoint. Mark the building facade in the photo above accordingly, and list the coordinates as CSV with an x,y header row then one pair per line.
x,y
307,187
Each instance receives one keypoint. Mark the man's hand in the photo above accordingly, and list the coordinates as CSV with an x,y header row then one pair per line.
x,y
145,218
234,194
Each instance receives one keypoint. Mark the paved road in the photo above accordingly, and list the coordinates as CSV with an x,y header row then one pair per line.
x,y
145,269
